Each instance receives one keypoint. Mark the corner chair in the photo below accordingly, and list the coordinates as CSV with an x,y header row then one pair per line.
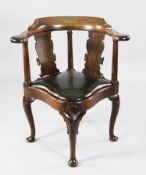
x,y
70,92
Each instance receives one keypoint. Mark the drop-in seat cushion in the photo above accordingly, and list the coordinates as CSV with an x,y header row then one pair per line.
x,y
71,86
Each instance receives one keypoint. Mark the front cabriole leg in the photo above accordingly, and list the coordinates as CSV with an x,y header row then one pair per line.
x,y
72,116
115,109
27,108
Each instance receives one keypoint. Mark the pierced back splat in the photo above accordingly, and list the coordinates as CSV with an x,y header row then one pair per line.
x,y
93,59
46,57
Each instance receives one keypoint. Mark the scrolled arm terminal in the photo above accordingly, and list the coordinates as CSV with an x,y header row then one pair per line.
x,y
116,35
22,38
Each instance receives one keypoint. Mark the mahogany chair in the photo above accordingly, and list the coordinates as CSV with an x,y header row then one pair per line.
x,y
70,92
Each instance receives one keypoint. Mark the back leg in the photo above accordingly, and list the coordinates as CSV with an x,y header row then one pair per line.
x,y
27,108
115,109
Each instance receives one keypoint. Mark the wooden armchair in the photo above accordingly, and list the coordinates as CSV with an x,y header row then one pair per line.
x,y
70,92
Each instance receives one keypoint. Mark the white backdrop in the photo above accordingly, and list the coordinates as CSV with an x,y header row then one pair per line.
x,y
51,152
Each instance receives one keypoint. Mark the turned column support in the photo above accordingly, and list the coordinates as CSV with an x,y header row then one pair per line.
x,y
70,50
115,61
27,74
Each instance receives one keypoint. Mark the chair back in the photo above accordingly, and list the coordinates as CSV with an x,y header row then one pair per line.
x,y
41,30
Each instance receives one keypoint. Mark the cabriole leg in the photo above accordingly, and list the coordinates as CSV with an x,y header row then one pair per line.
x,y
27,108
115,108
72,119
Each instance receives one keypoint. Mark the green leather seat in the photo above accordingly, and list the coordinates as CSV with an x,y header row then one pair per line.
x,y
71,86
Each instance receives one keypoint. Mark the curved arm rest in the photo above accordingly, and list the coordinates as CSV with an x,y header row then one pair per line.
x,y
116,35
22,38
